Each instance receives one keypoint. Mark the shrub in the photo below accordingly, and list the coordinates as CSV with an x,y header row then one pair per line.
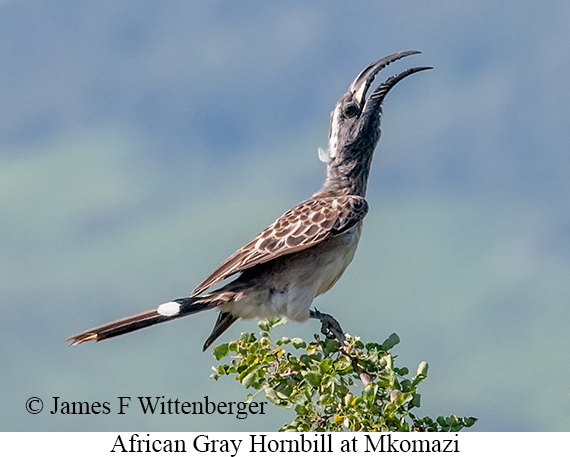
x,y
353,387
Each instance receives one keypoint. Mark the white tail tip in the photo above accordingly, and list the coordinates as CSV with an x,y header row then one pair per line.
x,y
170,308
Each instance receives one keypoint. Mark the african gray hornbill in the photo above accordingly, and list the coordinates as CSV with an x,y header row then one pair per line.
x,y
304,252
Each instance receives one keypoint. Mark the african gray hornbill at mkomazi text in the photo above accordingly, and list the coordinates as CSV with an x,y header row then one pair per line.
x,y
304,252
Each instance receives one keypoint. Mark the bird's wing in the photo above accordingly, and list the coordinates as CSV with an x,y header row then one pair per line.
x,y
303,226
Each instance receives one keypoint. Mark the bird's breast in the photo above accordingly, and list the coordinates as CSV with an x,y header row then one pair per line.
x,y
288,285
337,258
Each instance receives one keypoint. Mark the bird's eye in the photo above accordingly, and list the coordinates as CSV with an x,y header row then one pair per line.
x,y
350,110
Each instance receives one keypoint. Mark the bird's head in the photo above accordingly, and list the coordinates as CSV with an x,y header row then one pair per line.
x,y
355,122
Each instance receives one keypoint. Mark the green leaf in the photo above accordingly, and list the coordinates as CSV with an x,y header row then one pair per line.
x,y
283,340
404,398
373,346
369,391
277,322
313,378
221,351
390,342
313,347
284,389
298,343
357,401
387,362
249,380
402,371
300,410
422,369
271,395
343,363
394,394
332,345
415,400
308,359
406,385
469,421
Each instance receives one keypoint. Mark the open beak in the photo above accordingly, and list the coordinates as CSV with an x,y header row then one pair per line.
x,y
361,84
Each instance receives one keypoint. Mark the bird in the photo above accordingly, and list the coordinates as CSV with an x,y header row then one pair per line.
x,y
306,250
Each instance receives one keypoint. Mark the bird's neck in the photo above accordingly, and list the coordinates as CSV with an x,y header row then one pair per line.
x,y
347,176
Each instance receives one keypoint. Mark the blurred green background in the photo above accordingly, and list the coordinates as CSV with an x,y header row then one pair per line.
x,y
134,134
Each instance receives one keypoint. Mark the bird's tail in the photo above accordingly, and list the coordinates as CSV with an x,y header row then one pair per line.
x,y
165,312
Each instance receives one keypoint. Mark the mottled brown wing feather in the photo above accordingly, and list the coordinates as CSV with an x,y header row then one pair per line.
x,y
303,226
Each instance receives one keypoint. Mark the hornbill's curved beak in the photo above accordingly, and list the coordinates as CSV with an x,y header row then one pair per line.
x,y
362,83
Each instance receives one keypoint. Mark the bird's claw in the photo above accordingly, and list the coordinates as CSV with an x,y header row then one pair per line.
x,y
329,326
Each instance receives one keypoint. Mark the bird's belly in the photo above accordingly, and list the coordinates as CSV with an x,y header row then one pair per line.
x,y
335,261
293,281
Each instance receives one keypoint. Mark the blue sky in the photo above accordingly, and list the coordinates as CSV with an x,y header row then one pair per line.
x,y
142,142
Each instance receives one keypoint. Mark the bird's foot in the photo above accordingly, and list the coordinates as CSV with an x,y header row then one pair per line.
x,y
329,326
332,329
